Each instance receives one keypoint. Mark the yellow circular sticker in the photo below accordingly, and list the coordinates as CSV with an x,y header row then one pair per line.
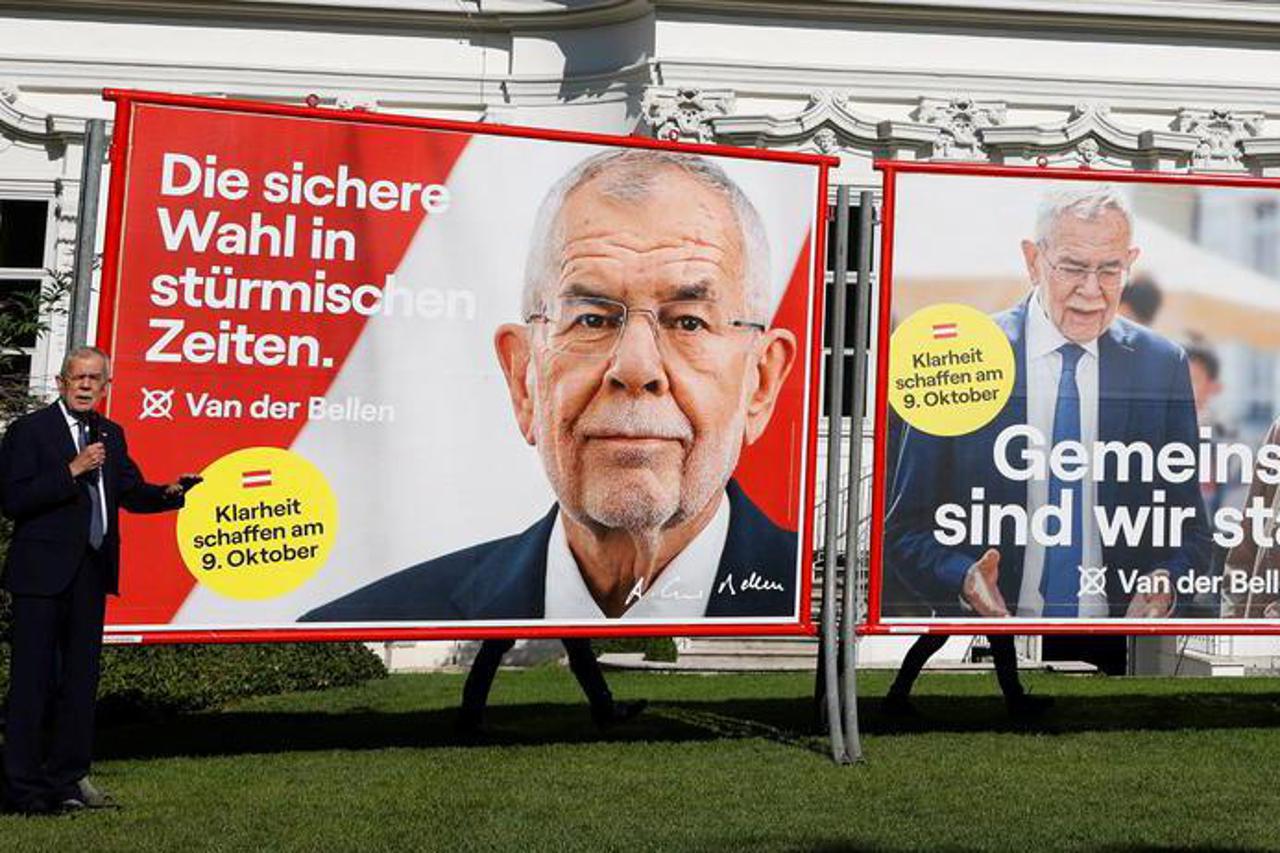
x,y
950,369
261,524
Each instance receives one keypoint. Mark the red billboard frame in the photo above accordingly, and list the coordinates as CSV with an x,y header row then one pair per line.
x,y
875,625
125,100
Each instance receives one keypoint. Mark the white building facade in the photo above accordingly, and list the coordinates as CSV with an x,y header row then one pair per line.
x,y
1152,84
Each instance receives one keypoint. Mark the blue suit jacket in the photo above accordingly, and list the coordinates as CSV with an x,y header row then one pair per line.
x,y
1144,394
506,578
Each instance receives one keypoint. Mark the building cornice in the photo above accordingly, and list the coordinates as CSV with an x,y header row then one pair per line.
x,y
392,91
23,122
1198,20
789,80
453,15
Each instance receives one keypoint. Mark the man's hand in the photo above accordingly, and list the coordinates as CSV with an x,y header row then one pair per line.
x,y
89,459
1152,605
980,590
182,485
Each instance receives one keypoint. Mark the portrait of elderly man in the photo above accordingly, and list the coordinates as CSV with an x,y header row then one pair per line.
x,y
1083,375
644,365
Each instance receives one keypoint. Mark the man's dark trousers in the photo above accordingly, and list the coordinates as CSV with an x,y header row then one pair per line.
x,y
1003,654
57,644
582,662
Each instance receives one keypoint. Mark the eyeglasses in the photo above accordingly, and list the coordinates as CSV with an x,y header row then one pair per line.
x,y
95,378
591,327
1110,276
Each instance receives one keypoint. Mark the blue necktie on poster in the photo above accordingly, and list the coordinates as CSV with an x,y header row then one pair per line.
x,y
1060,581
95,494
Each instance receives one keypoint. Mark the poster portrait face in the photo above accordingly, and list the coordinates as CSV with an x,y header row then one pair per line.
x,y
650,360
1072,434
579,390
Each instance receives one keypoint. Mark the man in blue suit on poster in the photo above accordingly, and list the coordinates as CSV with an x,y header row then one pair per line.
x,y
645,363
1083,375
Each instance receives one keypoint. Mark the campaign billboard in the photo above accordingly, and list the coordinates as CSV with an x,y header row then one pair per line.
x,y
1077,403
458,380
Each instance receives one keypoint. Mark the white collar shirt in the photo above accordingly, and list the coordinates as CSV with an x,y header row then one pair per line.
x,y
73,426
1044,368
680,592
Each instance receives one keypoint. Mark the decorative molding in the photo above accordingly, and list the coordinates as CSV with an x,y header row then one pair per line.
x,y
826,140
1088,151
20,122
66,211
1221,134
1262,155
828,124
1090,136
685,113
966,128
357,102
959,121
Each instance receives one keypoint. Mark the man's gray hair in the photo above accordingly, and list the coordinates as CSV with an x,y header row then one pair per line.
x,y
85,352
1082,200
628,174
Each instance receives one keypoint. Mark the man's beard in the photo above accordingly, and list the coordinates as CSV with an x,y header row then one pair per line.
x,y
606,501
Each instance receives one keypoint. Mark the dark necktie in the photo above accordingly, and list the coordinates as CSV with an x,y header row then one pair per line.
x,y
95,494
1060,581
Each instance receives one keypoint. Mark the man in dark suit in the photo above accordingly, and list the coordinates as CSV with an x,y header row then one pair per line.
x,y
644,364
64,473
1082,375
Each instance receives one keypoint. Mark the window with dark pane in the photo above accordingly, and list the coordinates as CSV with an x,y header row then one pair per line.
x,y
19,302
22,233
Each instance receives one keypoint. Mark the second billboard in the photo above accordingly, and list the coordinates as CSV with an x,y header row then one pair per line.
x,y
1080,389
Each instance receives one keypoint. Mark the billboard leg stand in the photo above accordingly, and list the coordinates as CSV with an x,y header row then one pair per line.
x,y
830,655
853,505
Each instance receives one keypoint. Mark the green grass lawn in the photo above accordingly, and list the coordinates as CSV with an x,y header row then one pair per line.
x,y
717,763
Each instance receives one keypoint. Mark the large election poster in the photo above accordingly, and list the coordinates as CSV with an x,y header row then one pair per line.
x,y
1079,390
455,380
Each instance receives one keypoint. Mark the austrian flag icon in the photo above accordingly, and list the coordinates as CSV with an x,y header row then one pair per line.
x,y
942,331
255,479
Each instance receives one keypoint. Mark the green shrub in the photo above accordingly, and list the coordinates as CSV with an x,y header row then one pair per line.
x,y
159,680
166,679
171,679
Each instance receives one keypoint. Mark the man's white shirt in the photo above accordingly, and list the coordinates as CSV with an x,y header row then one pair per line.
x,y
1044,369
681,590
74,426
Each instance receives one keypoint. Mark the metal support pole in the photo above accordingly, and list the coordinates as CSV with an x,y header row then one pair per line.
x,y
853,506
95,147
835,412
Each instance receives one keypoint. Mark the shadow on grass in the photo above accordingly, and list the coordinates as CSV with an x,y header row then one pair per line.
x,y
243,732
844,845
1081,713
787,721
